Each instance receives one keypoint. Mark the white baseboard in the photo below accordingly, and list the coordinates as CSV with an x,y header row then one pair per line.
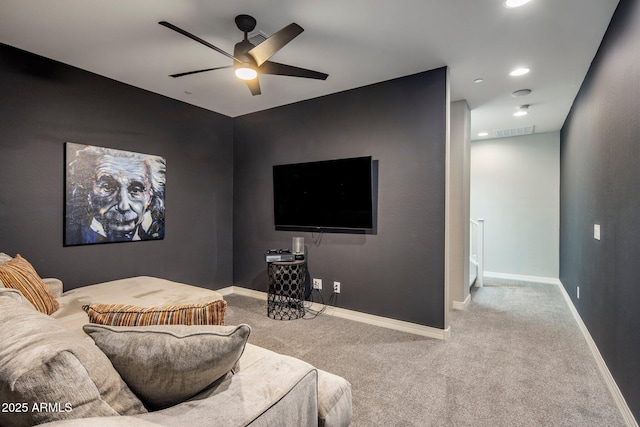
x,y
242,291
385,322
521,277
457,305
602,366
225,291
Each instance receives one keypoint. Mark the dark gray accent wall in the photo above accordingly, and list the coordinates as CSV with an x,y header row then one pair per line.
x,y
43,104
397,271
600,184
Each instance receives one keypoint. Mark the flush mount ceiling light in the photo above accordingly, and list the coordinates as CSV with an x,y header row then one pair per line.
x,y
478,80
515,3
519,72
523,110
521,92
482,134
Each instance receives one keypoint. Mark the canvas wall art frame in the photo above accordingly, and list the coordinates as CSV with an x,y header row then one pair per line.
x,y
113,195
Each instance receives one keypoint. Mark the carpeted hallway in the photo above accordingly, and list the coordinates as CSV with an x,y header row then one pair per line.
x,y
516,357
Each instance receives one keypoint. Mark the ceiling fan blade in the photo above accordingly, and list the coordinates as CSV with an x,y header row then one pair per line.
x,y
254,86
277,41
196,38
278,69
199,71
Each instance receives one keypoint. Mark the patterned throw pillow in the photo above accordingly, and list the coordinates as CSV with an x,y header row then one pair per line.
x,y
19,274
211,313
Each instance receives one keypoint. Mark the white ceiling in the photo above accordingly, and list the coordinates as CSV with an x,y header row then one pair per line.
x,y
357,42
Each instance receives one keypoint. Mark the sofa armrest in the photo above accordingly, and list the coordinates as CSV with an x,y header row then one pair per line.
x,y
334,400
55,286
277,390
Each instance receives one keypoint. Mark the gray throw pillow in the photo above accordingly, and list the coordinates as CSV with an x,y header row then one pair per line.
x,y
42,362
4,258
167,364
16,295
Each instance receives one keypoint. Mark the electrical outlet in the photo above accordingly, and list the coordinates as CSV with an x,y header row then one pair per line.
x,y
596,231
317,283
336,287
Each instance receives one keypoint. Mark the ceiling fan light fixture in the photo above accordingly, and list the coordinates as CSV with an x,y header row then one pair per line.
x,y
245,72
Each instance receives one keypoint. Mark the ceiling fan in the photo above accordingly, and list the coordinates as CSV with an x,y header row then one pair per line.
x,y
251,60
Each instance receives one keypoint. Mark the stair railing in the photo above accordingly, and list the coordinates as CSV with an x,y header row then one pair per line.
x,y
477,251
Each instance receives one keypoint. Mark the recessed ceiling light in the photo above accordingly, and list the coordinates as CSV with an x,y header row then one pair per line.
x,y
483,134
521,92
515,3
478,80
519,72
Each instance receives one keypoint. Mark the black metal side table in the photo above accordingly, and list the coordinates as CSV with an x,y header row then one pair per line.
x,y
285,298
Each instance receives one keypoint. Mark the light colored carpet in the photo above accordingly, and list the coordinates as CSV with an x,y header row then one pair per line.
x,y
515,358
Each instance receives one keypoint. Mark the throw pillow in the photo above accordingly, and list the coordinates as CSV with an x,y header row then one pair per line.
x,y
16,295
211,313
4,258
42,362
167,364
19,274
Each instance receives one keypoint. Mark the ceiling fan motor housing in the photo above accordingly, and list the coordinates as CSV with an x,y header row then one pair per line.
x,y
244,59
245,23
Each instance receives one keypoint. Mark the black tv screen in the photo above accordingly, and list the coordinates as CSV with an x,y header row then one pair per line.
x,y
327,195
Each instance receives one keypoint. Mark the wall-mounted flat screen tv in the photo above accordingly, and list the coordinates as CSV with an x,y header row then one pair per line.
x,y
329,195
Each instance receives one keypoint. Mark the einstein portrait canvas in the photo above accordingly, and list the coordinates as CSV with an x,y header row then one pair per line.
x,y
113,195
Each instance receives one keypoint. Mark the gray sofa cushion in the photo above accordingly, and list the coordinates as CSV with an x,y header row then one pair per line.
x,y
277,390
42,361
167,364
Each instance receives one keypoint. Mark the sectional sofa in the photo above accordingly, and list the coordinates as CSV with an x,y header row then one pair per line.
x,y
59,369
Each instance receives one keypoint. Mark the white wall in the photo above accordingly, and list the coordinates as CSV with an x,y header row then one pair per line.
x,y
515,187
459,190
